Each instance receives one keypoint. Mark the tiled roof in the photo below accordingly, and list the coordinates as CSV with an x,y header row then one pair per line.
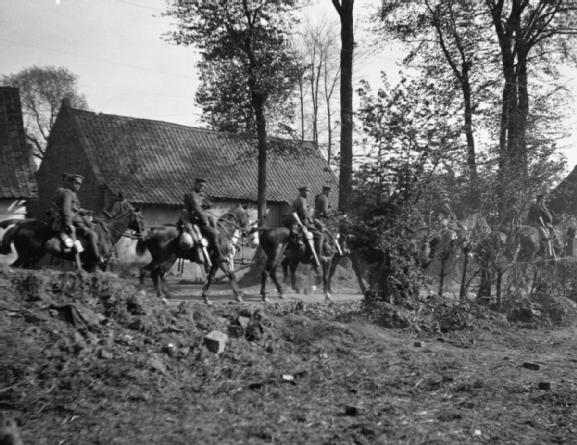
x,y
154,162
17,180
563,198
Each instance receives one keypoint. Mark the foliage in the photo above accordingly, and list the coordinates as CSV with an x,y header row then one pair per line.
x,y
386,237
225,99
409,131
245,51
463,47
250,38
41,92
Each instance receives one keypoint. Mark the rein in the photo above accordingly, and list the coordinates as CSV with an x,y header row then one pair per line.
x,y
118,232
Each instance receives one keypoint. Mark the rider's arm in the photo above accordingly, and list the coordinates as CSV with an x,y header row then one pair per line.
x,y
67,209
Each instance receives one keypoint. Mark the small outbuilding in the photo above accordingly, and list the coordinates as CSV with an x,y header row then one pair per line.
x,y
17,177
154,163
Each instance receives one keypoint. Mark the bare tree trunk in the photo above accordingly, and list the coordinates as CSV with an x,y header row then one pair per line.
x,y
258,104
345,10
302,103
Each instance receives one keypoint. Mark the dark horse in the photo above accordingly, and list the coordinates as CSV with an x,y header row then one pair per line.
x,y
163,244
279,245
34,238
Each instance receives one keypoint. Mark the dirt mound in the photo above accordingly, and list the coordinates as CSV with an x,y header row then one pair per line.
x,y
90,359
74,344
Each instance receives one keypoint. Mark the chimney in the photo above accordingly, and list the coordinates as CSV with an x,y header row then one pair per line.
x,y
66,103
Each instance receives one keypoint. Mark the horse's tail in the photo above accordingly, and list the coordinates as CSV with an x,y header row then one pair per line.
x,y
140,247
5,245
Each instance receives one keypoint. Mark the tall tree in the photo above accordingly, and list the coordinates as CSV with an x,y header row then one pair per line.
x,y
544,28
225,99
317,47
41,92
248,34
345,10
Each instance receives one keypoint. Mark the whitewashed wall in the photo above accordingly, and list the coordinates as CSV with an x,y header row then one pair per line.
x,y
10,208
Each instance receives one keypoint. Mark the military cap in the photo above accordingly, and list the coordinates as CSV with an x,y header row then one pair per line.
x,y
327,187
73,177
304,188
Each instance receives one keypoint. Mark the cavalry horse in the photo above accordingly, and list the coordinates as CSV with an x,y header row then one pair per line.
x,y
531,250
163,243
33,238
279,246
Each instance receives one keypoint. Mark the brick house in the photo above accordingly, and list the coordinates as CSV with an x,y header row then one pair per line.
x,y
154,163
17,181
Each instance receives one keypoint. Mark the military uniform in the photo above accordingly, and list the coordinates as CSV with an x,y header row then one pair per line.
x,y
322,206
195,204
67,215
302,208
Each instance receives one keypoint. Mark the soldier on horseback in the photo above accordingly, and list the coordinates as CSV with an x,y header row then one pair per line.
x,y
67,217
540,216
302,213
195,221
322,209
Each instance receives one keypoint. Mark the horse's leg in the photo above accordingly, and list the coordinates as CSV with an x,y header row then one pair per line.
x,y
155,284
318,275
270,270
209,279
356,264
326,266
293,274
229,272
332,269
286,276
142,275
263,278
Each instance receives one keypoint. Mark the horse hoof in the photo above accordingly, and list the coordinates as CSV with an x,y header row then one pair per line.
x,y
265,299
207,301
281,296
239,298
313,288
328,297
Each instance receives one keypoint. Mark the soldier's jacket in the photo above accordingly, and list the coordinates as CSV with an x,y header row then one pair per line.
x,y
195,203
322,206
302,209
66,209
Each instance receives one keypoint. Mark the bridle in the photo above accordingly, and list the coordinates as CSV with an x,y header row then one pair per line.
x,y
127,209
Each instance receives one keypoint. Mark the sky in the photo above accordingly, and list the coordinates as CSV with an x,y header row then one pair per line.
x,y
124,65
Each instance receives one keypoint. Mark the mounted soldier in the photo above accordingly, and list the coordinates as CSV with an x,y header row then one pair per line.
x,y
322,215
194,223
301,211
540,216
67,217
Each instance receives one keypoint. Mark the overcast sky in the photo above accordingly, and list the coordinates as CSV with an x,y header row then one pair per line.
x,y
123,64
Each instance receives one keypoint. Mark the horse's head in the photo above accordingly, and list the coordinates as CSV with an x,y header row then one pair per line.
x,y
135,220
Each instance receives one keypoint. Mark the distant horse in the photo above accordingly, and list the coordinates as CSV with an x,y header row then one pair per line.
x,y
163,243
34,238
279,246
531,249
